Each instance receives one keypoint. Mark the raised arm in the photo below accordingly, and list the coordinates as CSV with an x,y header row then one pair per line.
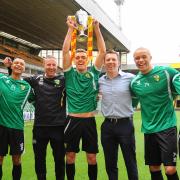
x,y
100,45
7,63
67,43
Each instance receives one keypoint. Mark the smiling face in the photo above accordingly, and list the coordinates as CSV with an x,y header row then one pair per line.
x,y
50,67
142,59
111,63
81,61
18,66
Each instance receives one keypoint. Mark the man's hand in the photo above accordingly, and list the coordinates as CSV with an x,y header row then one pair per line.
x,y
7,62
95,24
99,96
71,23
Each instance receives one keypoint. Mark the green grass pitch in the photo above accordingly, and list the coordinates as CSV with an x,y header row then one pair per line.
x,y
28,172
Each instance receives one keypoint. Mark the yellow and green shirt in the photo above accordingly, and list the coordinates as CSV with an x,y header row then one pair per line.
x,y
81,90
13,96
155,93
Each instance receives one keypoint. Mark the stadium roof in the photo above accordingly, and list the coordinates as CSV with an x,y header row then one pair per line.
x,y
43,22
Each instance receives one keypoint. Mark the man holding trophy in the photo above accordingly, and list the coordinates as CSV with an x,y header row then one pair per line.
x,y
82,90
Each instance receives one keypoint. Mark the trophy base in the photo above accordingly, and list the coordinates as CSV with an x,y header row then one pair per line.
x,y
82,38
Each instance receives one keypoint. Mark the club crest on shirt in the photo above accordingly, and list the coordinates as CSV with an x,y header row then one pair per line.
x,y
156,77
57,82
22,87
87,74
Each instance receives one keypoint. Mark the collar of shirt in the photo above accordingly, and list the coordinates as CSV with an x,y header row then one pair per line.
x,y
120,73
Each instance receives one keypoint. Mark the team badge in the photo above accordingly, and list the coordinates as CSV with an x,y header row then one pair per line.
x,y
156,77
22,87
57,82
88,75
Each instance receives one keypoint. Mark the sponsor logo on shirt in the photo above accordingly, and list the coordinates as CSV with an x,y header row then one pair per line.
x,y
138,82
156,77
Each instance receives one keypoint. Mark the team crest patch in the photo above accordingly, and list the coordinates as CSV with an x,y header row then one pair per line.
x,y
88,75
156,77
22,87
57,81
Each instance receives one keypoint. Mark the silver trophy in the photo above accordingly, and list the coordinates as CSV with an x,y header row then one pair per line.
x,y
82,22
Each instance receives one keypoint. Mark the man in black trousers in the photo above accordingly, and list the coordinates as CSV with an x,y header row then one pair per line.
x,y
50,114
117,128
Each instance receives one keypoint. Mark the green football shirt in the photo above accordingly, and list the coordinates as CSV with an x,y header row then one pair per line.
x,y
81,89
13,96
154,91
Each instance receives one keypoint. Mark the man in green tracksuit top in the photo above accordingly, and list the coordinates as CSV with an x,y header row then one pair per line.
x,y
154,90
13,95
